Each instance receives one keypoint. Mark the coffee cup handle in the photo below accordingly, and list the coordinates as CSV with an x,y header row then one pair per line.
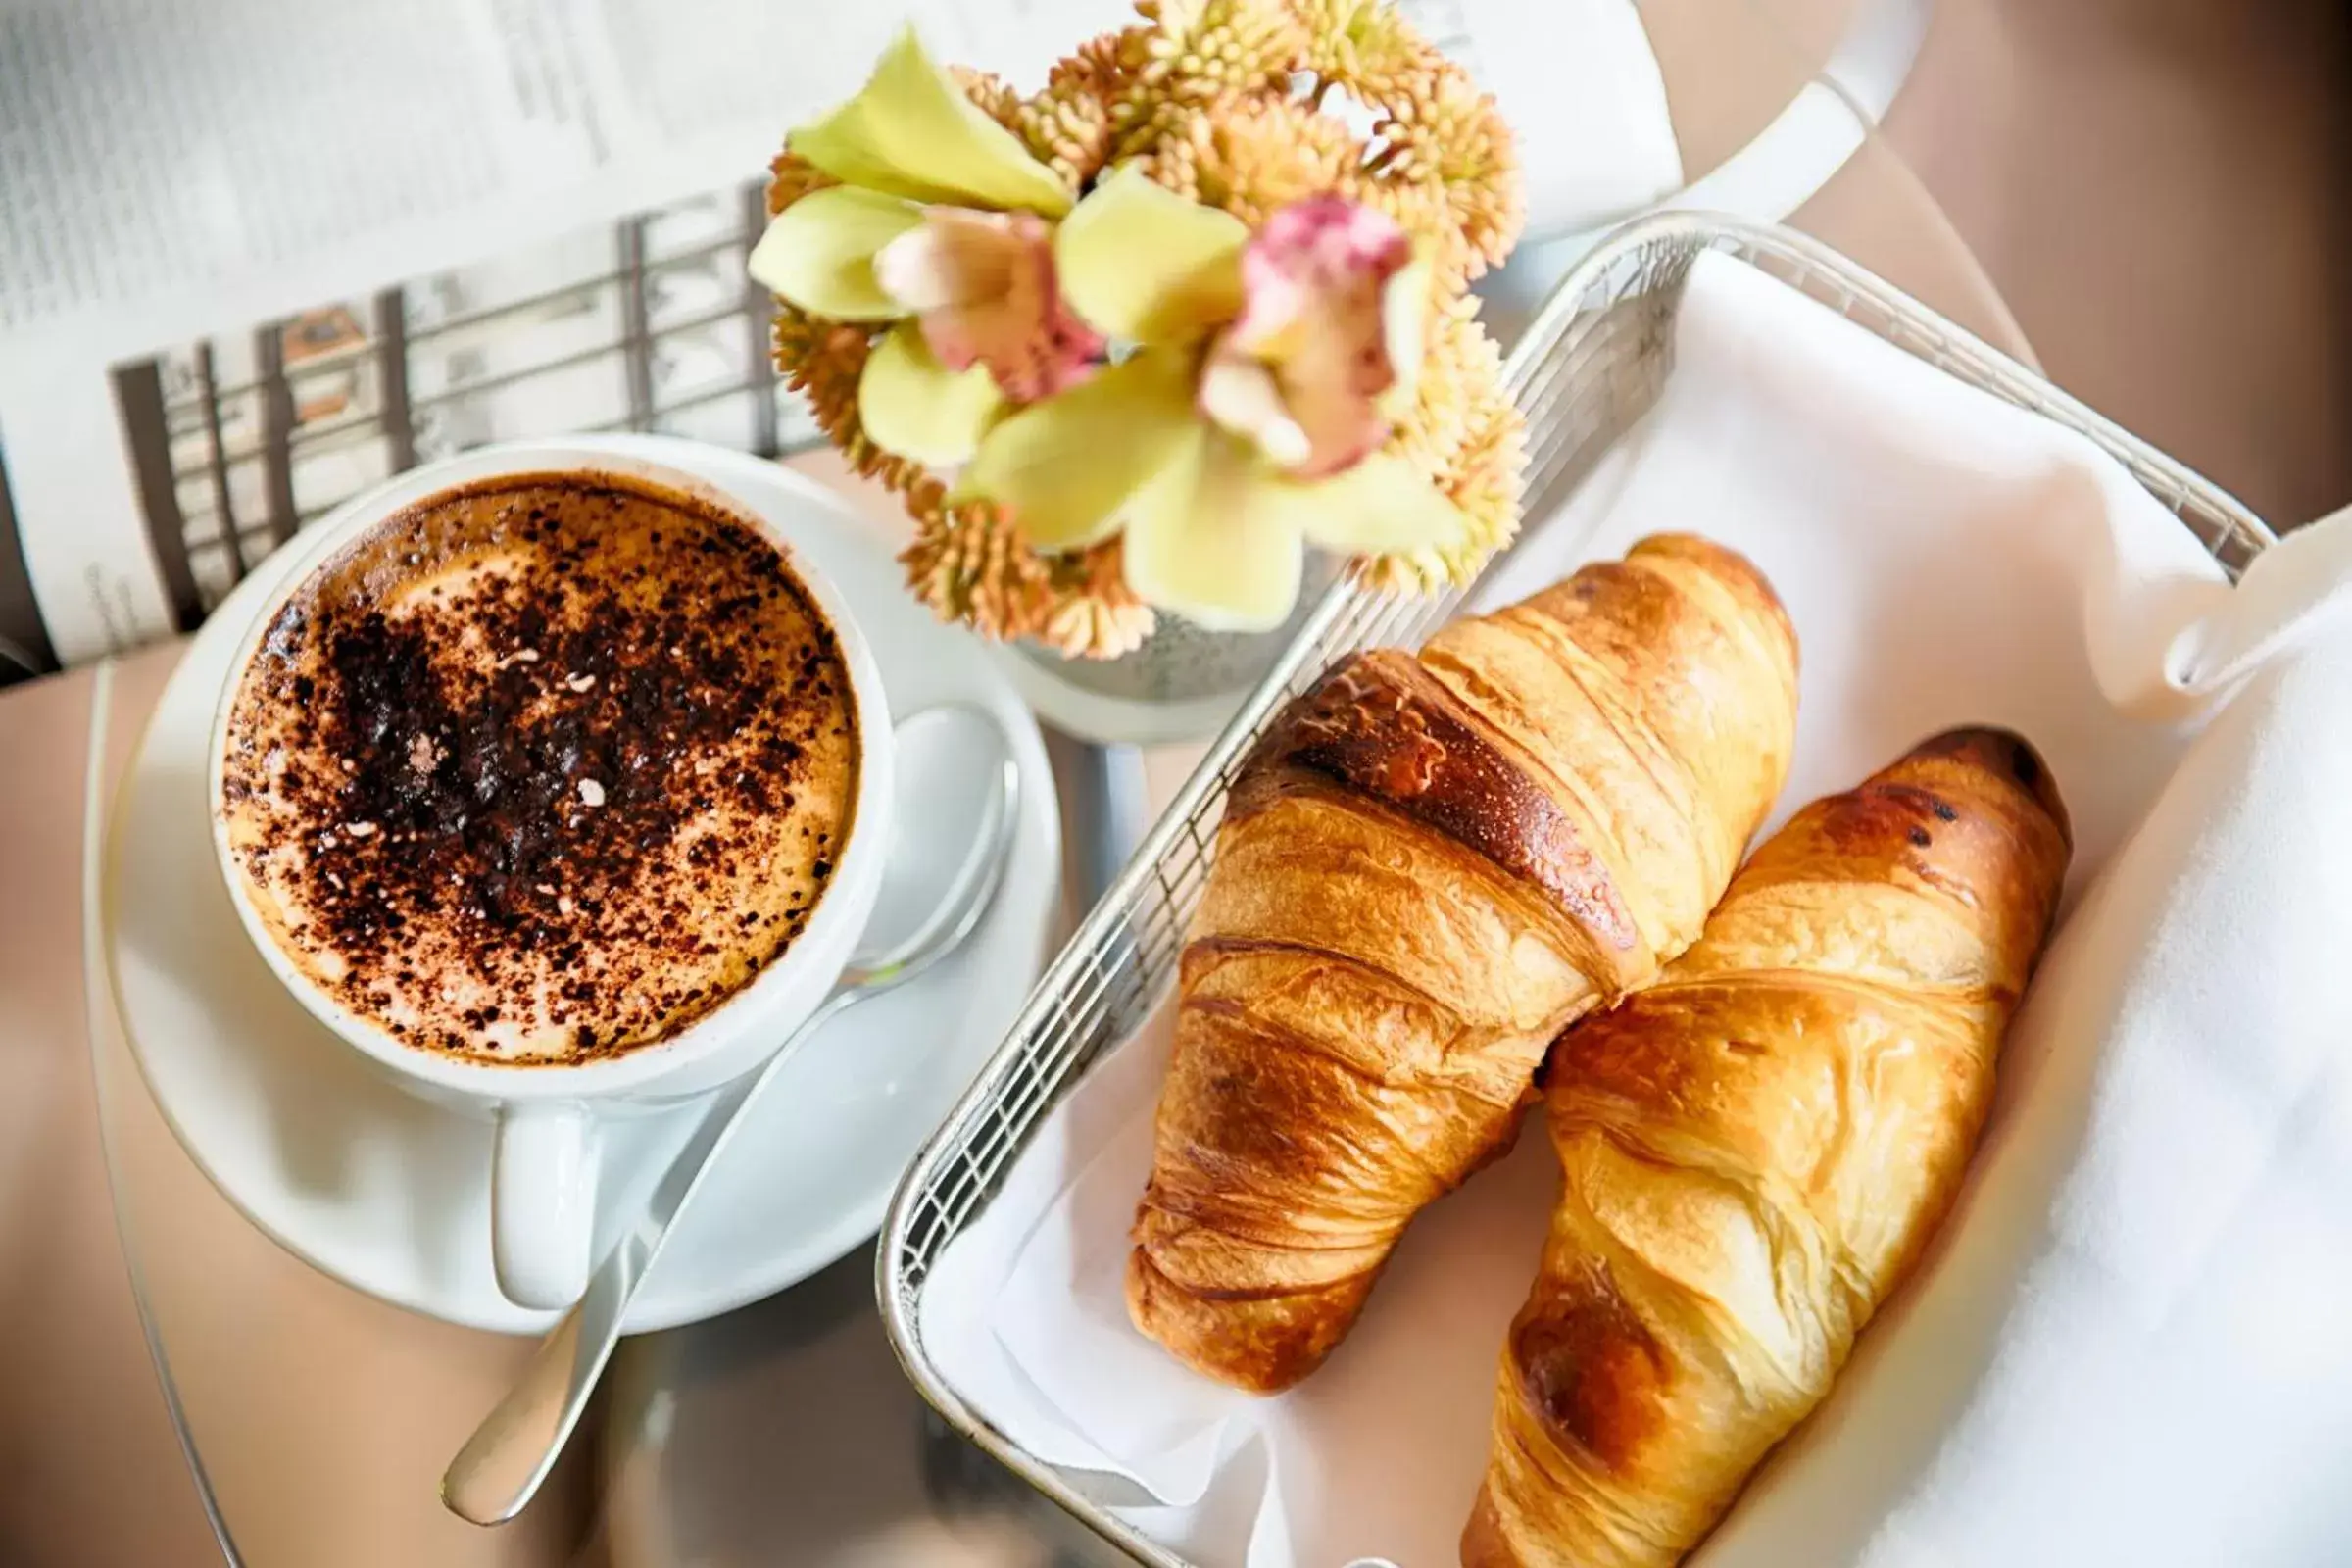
x,y
542,1203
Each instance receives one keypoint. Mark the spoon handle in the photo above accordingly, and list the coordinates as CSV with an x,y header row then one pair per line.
x,y
501,1467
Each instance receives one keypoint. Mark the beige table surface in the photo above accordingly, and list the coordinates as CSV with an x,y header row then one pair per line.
x,y
322,1417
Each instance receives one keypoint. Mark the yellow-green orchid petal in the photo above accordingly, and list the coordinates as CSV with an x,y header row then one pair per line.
x,y
1210,539
1141,263
1242,396
818,253
911,132
1404,330
1379,505
1069,467
912,405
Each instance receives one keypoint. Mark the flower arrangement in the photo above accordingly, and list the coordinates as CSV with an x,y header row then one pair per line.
x,y
1128,345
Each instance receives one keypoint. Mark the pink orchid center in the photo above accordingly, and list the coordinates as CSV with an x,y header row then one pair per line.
x,y
982,285
1301,369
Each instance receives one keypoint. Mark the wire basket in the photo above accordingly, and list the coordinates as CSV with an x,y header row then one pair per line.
x,y
1593,360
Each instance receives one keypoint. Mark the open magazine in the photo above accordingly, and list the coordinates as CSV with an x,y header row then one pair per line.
x,y
230,442
257,256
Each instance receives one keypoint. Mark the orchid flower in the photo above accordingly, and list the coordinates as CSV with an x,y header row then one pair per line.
x,y
1247,419
942,223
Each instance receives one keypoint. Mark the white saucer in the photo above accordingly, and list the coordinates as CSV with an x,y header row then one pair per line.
x,y
388,1193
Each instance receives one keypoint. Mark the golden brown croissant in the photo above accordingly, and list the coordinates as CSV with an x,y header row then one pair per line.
x,y
1756,1149
1428,867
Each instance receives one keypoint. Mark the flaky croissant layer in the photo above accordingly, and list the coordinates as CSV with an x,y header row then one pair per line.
x,y
1756,1149
1430,866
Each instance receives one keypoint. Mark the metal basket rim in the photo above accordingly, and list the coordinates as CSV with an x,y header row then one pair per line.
x,y
2017,382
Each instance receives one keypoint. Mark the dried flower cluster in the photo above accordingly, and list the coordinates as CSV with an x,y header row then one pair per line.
x,y
1231,104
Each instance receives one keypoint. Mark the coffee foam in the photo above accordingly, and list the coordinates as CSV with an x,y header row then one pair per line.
x,y
542,769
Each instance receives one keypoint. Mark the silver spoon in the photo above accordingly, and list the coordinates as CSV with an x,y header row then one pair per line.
x,y
957,785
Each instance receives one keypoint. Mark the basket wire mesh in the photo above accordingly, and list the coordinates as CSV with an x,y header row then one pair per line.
x,y
1591,364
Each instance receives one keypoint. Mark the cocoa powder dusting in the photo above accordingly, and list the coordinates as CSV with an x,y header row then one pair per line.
x,y
546,755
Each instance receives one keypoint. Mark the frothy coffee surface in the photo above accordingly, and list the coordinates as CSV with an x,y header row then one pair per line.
x,y
543,768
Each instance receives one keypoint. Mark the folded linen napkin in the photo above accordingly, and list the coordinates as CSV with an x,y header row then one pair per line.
x,y
2132,1333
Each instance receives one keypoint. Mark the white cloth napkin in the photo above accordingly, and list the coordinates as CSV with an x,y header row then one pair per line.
x,y
2138,1327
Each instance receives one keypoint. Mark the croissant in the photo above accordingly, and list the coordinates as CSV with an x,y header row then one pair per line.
x,y
1427,868
1756,1149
